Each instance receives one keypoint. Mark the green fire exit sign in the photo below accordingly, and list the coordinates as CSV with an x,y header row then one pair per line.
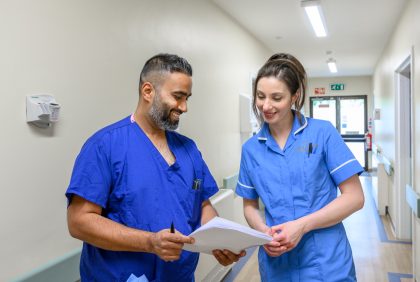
x,y
337,86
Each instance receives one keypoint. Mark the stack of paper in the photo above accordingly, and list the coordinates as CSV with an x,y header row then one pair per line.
x,y
220,233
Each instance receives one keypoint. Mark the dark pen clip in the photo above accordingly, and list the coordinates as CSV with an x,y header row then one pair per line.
x,y
197,184
309,149
172,227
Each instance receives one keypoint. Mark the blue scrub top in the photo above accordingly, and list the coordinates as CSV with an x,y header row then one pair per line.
x,y
296,181
120,170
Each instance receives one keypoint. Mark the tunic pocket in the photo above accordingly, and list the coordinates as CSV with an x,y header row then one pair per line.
x,y
270,185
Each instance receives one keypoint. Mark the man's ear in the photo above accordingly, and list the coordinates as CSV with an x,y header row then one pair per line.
x,y
147,91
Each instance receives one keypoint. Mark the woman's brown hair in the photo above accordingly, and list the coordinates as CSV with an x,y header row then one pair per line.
x,y
287,68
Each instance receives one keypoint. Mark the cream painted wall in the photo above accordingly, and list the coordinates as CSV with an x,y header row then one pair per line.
x,y
353,85
89,55
406,36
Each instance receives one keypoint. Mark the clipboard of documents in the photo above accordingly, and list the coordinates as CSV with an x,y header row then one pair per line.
x,y
220,233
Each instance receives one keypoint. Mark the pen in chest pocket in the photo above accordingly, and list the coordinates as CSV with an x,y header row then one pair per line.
x,y
309,149
196,184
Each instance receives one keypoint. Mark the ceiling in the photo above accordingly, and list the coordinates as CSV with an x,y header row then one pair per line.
x,y
358,31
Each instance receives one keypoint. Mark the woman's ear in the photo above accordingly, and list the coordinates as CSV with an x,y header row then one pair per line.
x,y
295,97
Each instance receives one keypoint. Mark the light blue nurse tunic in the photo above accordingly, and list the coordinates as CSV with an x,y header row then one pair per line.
x,y
120,170
294,182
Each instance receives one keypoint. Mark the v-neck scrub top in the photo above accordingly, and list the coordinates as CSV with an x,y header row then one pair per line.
x,y
120,170
296,181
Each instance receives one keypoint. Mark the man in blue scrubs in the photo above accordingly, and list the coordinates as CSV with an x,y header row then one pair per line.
x,y
138,187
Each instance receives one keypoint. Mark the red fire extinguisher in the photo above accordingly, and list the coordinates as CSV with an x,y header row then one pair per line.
x,y
368,141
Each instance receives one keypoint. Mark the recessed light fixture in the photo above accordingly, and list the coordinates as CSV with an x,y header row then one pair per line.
x,y
332,65
314,12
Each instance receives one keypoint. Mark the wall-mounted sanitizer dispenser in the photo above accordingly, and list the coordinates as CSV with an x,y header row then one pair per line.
x,y
42,110
248,124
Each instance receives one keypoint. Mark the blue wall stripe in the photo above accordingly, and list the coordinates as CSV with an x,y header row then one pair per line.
x,y
396,277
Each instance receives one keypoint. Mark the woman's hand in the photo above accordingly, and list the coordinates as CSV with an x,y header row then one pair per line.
x,y
286,236
274,248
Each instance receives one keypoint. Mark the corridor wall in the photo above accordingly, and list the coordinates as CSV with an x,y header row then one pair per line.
x,y
406,38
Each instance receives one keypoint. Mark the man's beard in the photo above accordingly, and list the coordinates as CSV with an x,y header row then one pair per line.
x,y
161,115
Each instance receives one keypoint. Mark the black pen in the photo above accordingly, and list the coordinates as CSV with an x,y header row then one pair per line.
x,y
310,149
172,227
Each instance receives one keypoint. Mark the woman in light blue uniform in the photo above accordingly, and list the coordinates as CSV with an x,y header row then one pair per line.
x,y
295,164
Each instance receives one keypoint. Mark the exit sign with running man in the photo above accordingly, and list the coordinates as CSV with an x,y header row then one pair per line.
x,y
337,86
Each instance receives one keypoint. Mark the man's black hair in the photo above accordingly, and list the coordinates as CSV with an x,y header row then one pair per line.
x,y
157,65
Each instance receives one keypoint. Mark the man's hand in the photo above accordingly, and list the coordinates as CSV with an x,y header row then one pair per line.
x,y
168,246
226,257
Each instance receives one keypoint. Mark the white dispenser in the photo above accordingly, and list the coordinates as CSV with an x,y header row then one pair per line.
x,y
42,110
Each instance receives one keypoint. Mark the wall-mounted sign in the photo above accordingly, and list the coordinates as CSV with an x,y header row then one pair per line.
x,y
319,91
337,86
377,114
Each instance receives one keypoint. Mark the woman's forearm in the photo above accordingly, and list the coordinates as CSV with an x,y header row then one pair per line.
x,y
350,200
253,217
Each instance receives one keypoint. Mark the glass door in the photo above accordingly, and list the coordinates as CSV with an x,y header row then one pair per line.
x,y
349,115
352,116
325,108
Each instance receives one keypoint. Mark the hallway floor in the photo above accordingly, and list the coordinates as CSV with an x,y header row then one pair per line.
x,y
378,256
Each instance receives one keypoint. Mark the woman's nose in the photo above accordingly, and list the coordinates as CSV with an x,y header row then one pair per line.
x,y
266,105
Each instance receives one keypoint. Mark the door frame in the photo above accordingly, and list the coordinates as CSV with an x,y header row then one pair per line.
x,y
403,104
346,137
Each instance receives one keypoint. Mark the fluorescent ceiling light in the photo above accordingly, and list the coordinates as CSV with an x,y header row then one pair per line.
x,y
332,65
313,10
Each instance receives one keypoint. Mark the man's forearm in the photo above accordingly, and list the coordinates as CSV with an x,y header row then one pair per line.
x,y
107,234
207,212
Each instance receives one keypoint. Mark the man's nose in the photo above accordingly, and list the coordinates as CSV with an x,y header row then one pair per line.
x,y
182,106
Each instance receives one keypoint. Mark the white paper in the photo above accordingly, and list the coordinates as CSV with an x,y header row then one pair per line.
x,y
220,233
